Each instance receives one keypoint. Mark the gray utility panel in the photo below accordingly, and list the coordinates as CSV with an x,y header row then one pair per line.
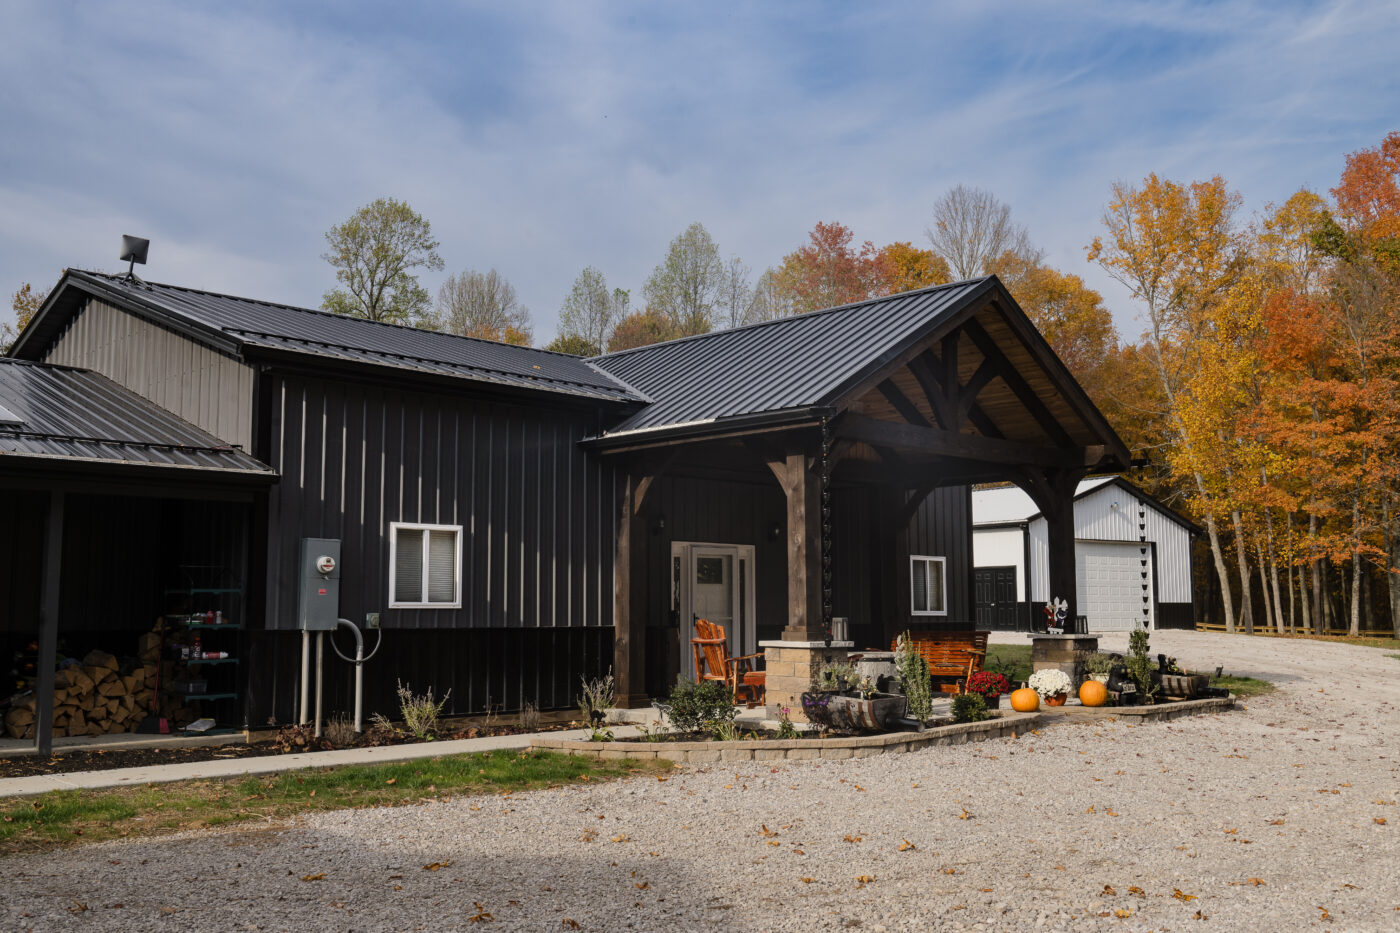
x,y
318,600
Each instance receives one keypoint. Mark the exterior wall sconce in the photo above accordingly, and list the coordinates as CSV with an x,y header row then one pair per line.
x,y
659,525
775,531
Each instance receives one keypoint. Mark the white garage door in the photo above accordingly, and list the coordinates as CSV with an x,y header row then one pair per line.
x,y
1114,584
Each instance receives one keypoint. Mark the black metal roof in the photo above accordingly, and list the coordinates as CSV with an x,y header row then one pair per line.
x,y
233,324
62,413
791,364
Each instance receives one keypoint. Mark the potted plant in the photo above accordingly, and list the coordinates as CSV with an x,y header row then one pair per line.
x,y
989,685
1099,666
844,702
1052,684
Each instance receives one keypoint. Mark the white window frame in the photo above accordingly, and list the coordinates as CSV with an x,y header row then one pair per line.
x,y
394,529
914,567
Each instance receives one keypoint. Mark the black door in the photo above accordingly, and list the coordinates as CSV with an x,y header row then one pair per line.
x,y
995,598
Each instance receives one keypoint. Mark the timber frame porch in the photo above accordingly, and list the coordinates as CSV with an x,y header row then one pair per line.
x,y
970,393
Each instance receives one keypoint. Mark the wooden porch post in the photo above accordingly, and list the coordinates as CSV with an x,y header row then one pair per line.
x,y
804,551
630,587
48,625
1053,493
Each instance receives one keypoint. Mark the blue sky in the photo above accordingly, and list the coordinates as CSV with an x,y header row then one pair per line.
x,y
539,138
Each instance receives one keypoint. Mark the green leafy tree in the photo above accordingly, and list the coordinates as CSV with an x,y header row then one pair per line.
x,y
590,311
687,286
573,345
375,254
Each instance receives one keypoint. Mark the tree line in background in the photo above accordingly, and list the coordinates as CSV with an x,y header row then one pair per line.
x,y
1267,386
1264,395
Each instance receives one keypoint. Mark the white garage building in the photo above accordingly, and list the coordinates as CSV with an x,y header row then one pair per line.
x,y
1132,559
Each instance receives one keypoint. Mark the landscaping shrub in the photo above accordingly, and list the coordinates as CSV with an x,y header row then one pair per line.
x,y
914,679
596,699
420,713
970,707
698,706
1140,666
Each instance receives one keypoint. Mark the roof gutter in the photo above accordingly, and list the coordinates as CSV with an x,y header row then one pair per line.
x,y
665,435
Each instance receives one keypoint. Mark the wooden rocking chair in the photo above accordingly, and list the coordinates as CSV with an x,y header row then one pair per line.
x,y
712,662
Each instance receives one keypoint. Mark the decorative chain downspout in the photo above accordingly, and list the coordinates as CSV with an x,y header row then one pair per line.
x,y
825,467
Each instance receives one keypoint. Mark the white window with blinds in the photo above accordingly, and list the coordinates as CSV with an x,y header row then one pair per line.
x,y
424,566
928,592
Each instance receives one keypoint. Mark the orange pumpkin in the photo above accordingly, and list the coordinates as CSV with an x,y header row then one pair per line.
x,y
1025,700
1093,693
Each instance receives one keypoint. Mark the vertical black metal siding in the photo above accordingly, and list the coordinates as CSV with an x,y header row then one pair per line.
x,y
713,512
942,527
538,514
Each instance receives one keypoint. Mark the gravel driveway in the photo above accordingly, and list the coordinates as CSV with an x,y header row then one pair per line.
x,y
1268,818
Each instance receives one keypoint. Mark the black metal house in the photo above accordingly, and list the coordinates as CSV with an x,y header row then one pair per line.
x,y
519,518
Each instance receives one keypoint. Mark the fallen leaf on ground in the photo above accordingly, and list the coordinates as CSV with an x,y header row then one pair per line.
x,y
852,839
1134,889
1123,913
806,880
392,781
1378,820
907,846
621,838
434,866
481,916
569,923
1182,895
316,877
1107,891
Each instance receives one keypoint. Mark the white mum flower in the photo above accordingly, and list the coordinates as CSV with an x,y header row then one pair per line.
x,y
1049,682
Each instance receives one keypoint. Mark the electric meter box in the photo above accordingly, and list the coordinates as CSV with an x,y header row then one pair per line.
x,y
318,599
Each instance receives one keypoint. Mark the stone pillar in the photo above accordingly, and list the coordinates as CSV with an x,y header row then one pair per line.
x,y
1065,652
792,668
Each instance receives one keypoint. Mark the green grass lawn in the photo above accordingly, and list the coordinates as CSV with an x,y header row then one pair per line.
x,y
1244,686
1012,660
61,818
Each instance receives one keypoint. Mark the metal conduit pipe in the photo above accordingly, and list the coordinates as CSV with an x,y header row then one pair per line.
x,y
303,714
359,662
320,654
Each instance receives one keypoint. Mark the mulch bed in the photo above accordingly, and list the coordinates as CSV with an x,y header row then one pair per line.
x,y
290,742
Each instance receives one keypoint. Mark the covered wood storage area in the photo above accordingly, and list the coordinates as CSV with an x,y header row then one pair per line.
x,y
123,522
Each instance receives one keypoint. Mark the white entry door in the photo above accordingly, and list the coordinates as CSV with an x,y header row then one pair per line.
x,y
1113,581
714,582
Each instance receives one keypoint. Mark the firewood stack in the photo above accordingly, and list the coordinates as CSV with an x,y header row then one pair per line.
x,y
97,697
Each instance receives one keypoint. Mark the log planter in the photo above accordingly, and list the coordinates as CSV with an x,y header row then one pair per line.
x,y
853,714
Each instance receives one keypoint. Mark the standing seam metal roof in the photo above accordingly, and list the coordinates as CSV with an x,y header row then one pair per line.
x,y
286,327
77,414
790,363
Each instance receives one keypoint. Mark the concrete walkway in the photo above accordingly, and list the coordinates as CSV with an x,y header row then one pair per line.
x,y
271,764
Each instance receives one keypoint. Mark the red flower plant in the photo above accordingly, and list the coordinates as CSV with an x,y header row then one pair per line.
x,y
988,683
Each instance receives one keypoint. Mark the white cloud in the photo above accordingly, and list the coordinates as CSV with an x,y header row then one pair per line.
x,y
545,139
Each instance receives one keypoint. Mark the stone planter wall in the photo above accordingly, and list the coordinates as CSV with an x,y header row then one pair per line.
x,y
1004,724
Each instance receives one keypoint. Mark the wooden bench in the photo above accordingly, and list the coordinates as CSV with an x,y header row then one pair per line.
x,y
952,657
